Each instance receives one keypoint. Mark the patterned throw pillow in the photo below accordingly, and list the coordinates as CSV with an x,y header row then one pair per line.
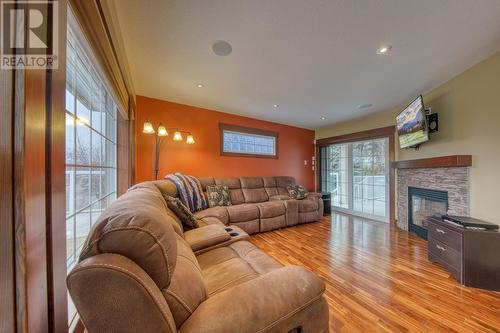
x,y
218,195
182,212
297,192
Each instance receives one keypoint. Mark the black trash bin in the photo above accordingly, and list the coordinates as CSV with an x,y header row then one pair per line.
x,y
327,203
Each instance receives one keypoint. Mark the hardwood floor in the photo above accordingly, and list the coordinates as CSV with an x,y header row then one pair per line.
x,y
378,279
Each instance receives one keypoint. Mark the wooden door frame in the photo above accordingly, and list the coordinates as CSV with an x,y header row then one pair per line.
x,y
377,133
7,254
33,230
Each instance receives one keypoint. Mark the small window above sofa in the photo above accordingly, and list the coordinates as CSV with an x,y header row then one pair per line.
x,y
246,141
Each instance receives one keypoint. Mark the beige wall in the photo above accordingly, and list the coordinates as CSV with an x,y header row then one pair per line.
x,y
469,123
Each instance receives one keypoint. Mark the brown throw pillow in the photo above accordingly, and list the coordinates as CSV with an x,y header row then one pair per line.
x,y
297,192
218,195
182,212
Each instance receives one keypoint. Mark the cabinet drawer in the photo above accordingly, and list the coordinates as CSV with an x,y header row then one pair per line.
x,y
445,253
446,236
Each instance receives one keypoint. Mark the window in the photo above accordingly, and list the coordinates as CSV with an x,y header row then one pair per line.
x,y
91,125
244,141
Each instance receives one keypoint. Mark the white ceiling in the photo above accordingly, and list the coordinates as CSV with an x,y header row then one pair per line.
x,y
314,58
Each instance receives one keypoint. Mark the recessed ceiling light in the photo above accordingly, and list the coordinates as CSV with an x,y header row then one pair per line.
x,y
365,106
200,85
384,49
222,48
275,106
322,118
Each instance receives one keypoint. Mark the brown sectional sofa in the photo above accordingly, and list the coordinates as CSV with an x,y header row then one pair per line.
x,y
258,203
140,272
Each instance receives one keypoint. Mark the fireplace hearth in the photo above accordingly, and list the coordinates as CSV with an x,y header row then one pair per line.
x,y
423,203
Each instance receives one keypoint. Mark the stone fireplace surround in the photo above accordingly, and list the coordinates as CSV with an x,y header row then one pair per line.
x,y
453,179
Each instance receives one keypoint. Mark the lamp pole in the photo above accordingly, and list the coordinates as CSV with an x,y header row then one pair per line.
x,y
158,142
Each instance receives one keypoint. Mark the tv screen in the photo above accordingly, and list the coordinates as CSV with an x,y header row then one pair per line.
x,y
412,125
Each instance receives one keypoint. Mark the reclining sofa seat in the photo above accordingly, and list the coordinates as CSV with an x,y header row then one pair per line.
x,y
137,273
259,204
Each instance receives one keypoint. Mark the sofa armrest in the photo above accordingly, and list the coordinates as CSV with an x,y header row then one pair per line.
x,y
206,236
278,301
237,234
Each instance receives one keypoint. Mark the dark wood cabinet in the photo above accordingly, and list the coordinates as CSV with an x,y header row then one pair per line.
x,y
471,256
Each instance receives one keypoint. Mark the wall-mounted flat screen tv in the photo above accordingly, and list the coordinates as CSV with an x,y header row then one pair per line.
x,y
412,125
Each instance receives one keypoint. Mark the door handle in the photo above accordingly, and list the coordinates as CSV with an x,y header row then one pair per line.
x,y
440,247
440,231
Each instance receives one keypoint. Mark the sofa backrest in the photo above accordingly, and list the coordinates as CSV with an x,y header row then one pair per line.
x,y
250,189
136,226
241,190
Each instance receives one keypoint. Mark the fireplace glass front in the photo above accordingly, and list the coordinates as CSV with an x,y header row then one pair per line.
x,y
423,203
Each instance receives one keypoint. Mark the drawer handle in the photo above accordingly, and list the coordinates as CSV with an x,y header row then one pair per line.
x,y
440,247
440,231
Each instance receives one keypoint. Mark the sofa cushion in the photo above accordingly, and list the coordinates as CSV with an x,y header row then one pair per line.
x,y
228,266
234,189
209,220
253,195
182,212
284,181
298,192
279,197
219,213
218,195
139,234
227,274
231,183
271,209
250,227
187,289
204,181
308,205
282,191
251,182
272,223
269,181
242,213
253,189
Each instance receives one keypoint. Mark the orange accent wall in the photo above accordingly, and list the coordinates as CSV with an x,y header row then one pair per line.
x,y
203,158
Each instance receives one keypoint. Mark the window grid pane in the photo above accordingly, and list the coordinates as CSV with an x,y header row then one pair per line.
x,y
248,143
90,147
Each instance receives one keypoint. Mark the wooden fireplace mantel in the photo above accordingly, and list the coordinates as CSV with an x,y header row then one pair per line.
x,y
435,162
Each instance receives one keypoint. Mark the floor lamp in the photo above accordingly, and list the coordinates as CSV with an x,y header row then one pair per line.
x,y
160,133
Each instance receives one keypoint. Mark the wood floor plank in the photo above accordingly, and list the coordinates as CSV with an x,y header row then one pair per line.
x,y
378,278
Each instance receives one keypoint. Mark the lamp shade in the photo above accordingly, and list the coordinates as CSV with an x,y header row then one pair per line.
x,y
190,139
148,128
177,136
162,131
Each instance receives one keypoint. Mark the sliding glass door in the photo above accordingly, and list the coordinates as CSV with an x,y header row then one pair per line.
x,y
357,176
